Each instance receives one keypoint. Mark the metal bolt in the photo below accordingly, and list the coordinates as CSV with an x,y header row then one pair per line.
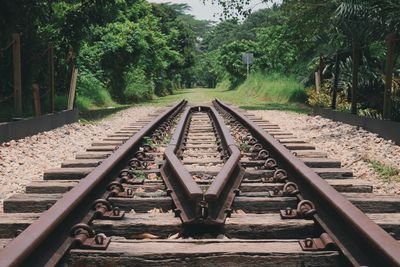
x,y
309,242
116,211
288,211
99,239
129,192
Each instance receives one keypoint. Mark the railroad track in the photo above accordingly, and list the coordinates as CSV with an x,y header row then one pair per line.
x,y
200,185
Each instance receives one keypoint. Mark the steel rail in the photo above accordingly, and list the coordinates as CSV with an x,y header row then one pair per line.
x,y
360,239
222,191
216,188
190,185
37,244
192,206
185,192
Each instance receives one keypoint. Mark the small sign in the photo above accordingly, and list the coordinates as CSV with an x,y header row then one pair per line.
x,y
248,58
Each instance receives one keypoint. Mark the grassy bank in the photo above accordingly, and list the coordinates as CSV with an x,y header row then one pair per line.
x,y
273,92
258,92
273,88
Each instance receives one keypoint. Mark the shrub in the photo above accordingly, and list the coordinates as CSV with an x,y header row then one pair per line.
x,y
137,87
274,88
324,99
61,102
231,60
396,108
91,92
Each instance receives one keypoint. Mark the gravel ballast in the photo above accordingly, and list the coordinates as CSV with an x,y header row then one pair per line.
x,y
355,147
24,160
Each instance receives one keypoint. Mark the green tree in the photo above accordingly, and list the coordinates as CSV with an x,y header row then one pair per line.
x,y
231,60
207,70
274,49
223,33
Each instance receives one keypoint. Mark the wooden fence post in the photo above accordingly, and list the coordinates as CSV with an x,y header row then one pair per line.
x,y
17,74
72,88
321,69
36,99
387,99
354,88
335,81
51,76
317,82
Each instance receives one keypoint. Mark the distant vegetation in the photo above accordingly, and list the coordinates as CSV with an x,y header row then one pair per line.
x,y
132,51
273,88
126,50
301,37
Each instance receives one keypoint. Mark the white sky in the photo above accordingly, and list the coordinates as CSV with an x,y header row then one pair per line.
x,y
207,11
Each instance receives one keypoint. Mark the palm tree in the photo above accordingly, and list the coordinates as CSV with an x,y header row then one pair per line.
x,y
361,23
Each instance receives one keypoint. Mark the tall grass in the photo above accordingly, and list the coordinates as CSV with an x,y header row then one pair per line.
x,y
91,92
274,88
137,87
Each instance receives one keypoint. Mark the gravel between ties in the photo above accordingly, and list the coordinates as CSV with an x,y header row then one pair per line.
x,y
352,145
24,160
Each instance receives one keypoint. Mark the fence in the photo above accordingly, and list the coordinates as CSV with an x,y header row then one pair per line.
x,y
15,47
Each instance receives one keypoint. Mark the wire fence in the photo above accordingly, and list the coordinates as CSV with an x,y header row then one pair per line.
x,y
18,68
5,99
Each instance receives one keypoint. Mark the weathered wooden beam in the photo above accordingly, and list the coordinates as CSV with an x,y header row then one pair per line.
x,y
163,225
93,155
371,203
81,163
62,186
214,252
66,173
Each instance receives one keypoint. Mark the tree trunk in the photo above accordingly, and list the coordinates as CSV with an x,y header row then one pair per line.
x,y
336,81
354,88
387,101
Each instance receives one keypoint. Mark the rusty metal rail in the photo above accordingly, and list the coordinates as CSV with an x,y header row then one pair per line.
x,y
192,206
360,240
221,193
75,210
185,192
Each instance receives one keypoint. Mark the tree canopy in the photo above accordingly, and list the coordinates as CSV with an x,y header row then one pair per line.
x,y
120,47
130,50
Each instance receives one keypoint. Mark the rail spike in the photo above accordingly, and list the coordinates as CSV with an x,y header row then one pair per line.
x,y
104,210
324,242
86,238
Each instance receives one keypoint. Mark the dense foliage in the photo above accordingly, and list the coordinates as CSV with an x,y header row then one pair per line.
x,y
125,50
301,37
130,50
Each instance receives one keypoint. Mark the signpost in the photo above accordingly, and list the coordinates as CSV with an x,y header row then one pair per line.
x,y
248,59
